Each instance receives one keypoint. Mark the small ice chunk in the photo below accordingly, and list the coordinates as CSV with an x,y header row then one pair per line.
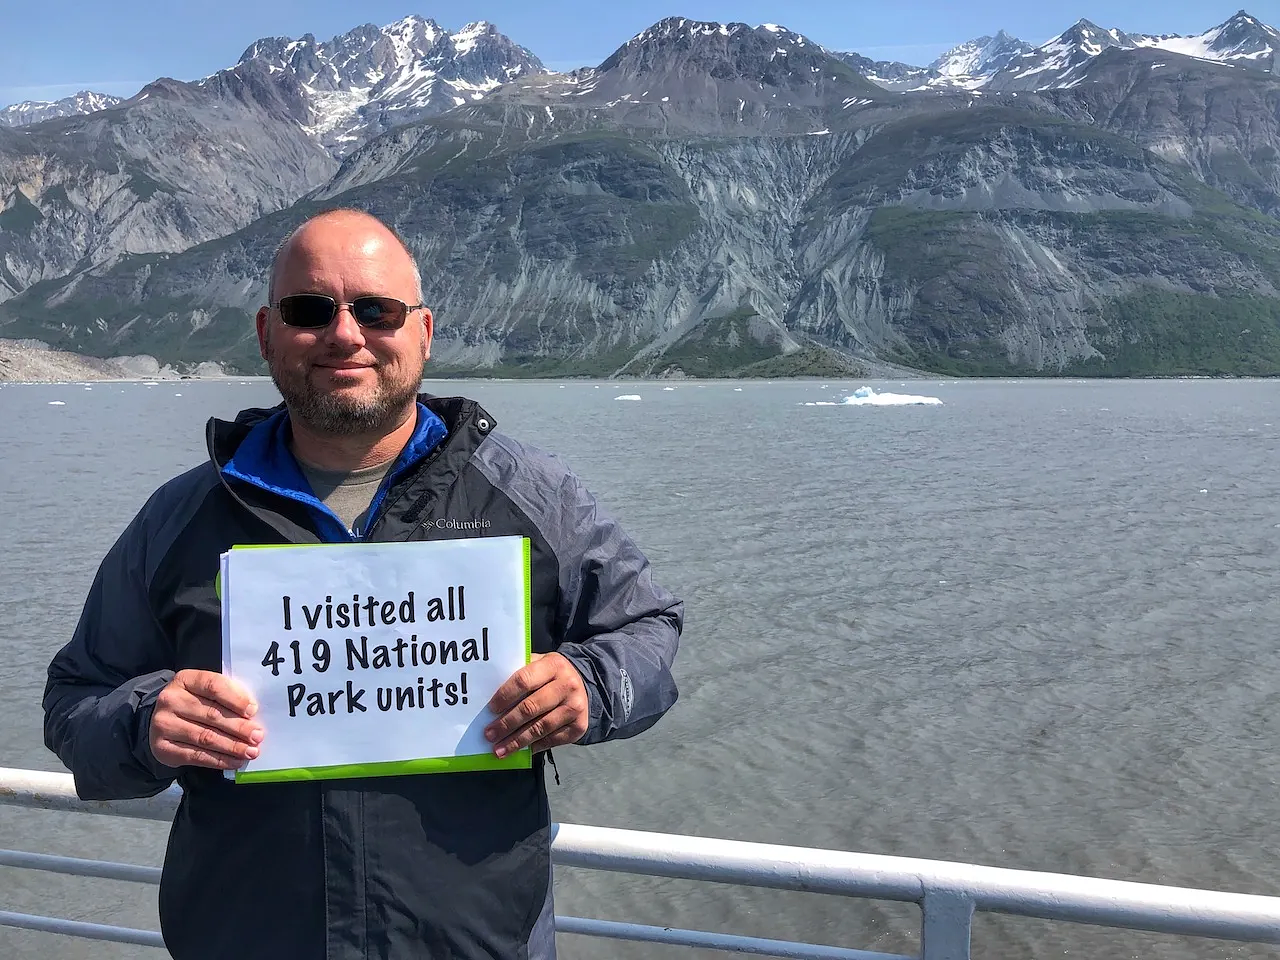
x,y
57,403
737,389
667,389
628,396
866,397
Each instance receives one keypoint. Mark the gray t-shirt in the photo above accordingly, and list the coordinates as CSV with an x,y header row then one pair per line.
x,y
349,495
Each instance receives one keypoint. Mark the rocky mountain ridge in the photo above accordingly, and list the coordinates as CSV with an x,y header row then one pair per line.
x,y
1005,63
721,198
37,111
371,79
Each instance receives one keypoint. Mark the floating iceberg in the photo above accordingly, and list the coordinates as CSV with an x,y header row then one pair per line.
x,y
628,396
866,397
57,403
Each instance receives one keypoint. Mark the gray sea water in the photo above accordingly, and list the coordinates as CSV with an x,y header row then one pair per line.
x,y
1034,627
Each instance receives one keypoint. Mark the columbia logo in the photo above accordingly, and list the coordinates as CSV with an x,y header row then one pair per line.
x,y
628,696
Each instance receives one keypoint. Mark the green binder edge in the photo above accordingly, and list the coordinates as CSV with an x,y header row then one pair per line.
x,y
520,760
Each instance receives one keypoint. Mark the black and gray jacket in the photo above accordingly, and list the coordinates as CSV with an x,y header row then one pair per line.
x,y
441,866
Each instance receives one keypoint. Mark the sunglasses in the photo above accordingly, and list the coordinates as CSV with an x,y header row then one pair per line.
x,y
315,310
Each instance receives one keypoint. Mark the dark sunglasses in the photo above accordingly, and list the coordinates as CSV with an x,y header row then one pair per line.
x,y
315,310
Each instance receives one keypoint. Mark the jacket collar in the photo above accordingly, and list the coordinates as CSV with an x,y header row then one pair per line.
x,y
253,449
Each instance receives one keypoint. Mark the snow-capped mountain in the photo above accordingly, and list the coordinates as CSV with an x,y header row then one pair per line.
x,y
34,111
964,67
889,74
695,61
1062,61
1004,63
707,76
982,58
370,79
1242,40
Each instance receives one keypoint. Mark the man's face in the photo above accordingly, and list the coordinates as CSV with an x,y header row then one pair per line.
x,y
345,379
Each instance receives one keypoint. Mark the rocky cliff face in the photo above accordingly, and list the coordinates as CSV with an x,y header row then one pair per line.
x,y
176,165
726,199
181,163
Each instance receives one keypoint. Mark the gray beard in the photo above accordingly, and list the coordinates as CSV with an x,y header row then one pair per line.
x,y
325,413
337,416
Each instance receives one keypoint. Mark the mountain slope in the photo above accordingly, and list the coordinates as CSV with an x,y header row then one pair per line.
x,y
989,240
181,163
1218,122
177,164
727,199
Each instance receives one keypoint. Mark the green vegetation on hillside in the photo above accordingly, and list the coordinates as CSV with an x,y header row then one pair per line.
x,y
961,275
1161,332
714,347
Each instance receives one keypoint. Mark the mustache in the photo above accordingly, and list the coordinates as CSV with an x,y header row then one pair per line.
x,y
330,358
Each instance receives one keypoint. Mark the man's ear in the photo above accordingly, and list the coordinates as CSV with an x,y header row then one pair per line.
x,y
428,328
264,314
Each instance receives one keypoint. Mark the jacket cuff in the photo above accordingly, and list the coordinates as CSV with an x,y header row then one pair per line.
x,y
583,663
147,689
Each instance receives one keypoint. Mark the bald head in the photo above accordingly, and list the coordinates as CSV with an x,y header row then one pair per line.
x,y
333,237
345,379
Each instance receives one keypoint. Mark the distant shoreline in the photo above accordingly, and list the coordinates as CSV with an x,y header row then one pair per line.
x,y
35,362
32,361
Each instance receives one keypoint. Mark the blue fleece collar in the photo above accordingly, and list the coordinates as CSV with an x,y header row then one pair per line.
x,y
264,460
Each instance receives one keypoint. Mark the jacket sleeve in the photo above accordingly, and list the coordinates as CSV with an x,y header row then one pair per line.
x,y
103,685
621,630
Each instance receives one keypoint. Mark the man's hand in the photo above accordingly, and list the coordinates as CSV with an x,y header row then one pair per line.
x,y
204,719
543,705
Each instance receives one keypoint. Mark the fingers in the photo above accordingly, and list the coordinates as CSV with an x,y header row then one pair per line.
x,y
529,711
202,719
218,688
537,673
182,754
543,705
561,726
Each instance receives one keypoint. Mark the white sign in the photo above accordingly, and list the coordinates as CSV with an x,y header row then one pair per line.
x,y
371,659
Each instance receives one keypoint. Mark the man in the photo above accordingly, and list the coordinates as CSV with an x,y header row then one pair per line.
x,y
448,865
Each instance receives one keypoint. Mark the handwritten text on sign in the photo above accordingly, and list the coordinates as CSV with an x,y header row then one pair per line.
x,y
374,653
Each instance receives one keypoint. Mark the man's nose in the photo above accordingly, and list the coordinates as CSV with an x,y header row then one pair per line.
x,y
343,327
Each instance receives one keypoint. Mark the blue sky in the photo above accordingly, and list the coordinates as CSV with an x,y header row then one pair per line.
x,y
51,49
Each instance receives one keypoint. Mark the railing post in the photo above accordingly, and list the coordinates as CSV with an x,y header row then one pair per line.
x,y
947,925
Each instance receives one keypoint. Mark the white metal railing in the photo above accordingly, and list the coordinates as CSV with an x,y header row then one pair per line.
x,y
947,893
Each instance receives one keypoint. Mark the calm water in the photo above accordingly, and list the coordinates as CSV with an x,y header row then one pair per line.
x,y
1035,627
